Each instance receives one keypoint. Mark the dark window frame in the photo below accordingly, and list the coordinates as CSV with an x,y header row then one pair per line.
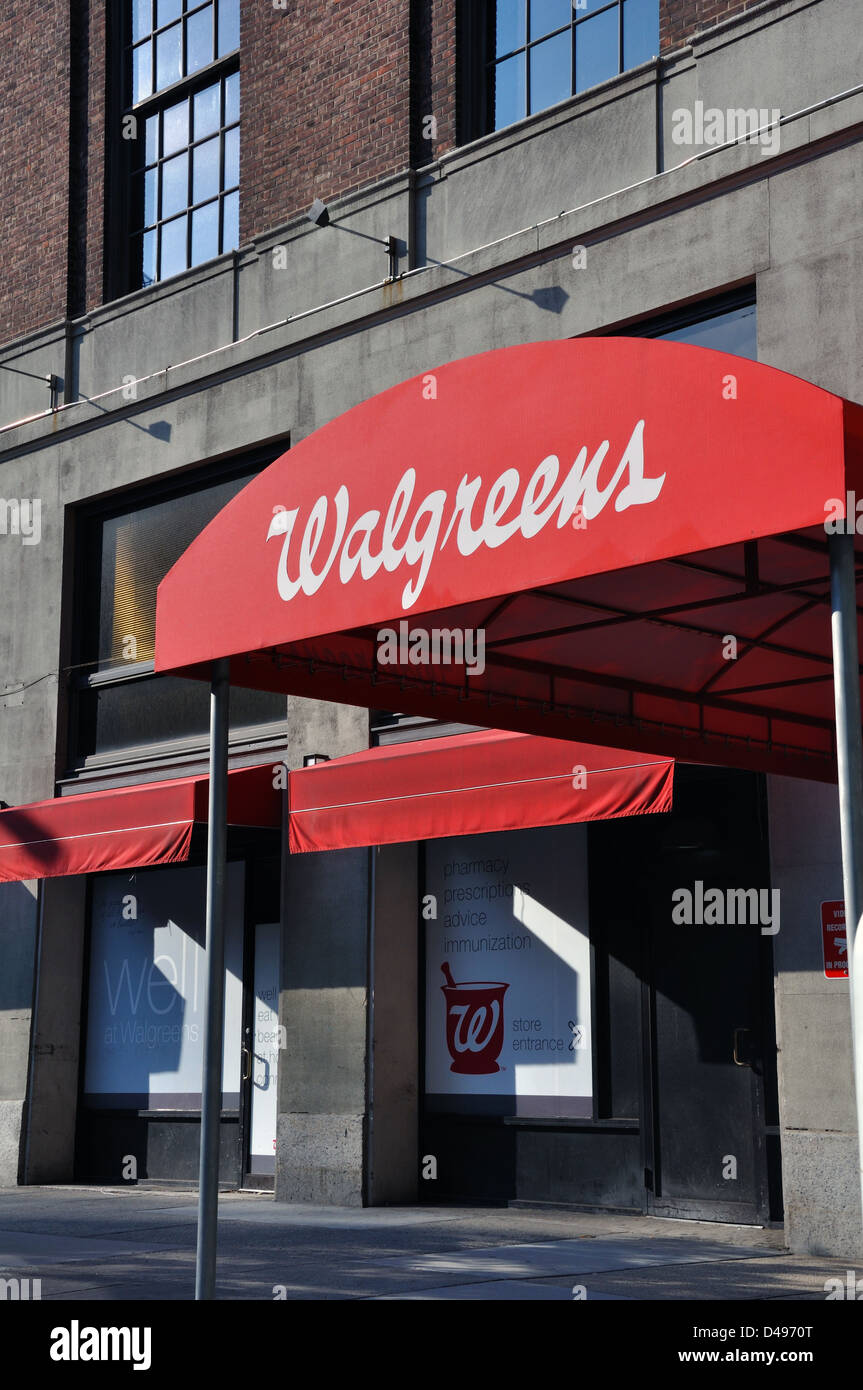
x,y
477,62
125,158
697,311
86,672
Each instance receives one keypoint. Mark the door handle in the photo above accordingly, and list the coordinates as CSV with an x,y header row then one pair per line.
x,y
247,1071
737,1061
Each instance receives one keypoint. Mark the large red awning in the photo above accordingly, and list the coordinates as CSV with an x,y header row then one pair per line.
x,y
469,785
126,827
636,527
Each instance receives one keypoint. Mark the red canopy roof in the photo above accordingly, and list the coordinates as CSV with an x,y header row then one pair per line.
x,y
469,785
609,512
125,827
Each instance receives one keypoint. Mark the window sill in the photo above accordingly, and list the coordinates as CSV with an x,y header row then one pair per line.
x,y
147,762
562,113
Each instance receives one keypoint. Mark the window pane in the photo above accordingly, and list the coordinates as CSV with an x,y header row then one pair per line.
x,y
229,26
142,75
168,67
148,269
205,174
205,233
596,50
151,191
175,185
232,98
137,550
133,554
510,27
232,158
734,331
509,95
166,10
199,39
149,711
175,132
640,31
152,139
138,146
206,111
142,22
551,71
548,15
129,1064
173,247
231,222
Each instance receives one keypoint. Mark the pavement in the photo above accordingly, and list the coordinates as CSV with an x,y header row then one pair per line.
x,y
89,1243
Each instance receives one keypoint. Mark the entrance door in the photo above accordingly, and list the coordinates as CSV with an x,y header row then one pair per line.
x,y
708,1009
261,1058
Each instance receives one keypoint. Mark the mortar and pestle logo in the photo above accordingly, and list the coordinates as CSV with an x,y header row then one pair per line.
x,y
474,1024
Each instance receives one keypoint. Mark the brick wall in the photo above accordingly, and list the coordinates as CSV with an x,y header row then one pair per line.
x,y
34,164
434,84
680,19
325,96
335,96
95,145
86,158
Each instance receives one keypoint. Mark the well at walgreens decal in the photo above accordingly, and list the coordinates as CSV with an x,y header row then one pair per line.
x,y
507,960
507,471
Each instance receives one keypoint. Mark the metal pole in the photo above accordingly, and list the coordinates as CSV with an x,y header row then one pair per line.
x,y
849,751
211,1088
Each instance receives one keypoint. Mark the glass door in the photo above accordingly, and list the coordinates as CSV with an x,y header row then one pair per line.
x,y
260,1058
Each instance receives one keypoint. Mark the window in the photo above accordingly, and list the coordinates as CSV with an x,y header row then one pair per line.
x,y
144,1046
727,324
118,704
183,91
530,54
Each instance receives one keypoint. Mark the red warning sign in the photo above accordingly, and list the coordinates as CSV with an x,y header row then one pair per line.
x,y
834,940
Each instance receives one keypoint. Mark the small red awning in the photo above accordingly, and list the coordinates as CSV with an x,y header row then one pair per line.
x,y
126,827
468,785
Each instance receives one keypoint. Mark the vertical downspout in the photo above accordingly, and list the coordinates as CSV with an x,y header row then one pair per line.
x,y
370,1038
24,1163
211,1086
849,752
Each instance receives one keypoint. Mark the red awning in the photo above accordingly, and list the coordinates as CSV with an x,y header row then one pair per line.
x,y
468,785
636,527
126,827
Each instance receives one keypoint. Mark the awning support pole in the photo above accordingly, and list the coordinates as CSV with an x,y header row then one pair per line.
x,y
849,751
211,1088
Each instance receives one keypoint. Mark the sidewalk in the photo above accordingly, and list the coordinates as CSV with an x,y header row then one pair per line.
x,y
108,1243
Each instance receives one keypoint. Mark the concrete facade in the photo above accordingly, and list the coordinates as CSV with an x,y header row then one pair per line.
x,y
240,353
819,1133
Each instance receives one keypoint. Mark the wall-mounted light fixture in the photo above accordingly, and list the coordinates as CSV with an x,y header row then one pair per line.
x,y
318,213
53,382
